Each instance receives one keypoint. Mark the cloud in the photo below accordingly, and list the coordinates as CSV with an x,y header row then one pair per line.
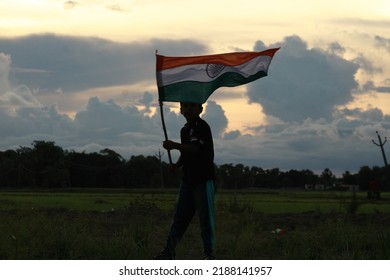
x,y
383,43
383,89
370,86
80,63
21,96
26,124
366,65
68,5
362,22
110,88
336,49
231,135
371,115
303,83
116,8
215,116
146,101
10,98
342,144
106,119
5,62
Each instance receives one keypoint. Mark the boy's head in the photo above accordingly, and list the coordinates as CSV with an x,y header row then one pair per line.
x,y
190,110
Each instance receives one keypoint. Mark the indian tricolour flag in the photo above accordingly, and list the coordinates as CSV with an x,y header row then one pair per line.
x,y
195,78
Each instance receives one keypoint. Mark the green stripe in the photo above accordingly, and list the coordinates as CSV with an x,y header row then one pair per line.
x,y
210,202
191,91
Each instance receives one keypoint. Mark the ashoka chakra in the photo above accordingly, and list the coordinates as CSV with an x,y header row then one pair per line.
x,y
213,70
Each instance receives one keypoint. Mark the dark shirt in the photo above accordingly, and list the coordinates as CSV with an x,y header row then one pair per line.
x,y
198,166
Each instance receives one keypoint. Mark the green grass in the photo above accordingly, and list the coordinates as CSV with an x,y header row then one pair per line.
x,y
98,201
267,202
298,202
116,224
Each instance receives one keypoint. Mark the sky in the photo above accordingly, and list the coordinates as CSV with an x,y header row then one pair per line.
x,y
82,74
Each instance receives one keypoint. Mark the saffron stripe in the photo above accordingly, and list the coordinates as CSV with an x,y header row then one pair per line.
x,y
228,59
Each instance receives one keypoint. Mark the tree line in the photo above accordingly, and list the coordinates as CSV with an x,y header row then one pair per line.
x,y
46,165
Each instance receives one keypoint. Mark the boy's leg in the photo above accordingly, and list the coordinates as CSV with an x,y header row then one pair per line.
x,y
184,213
204,198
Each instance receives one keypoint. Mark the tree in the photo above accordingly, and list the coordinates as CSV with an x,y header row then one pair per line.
x,y
40,165
349,179
113,155
9,168
327,178
365,175
45,164
143,171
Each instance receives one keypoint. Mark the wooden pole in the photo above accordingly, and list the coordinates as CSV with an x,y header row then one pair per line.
x,y
162,116
381,146
165,130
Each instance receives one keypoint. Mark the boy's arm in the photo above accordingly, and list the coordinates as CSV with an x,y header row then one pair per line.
x,y
170,145
174,166
179,163
184,148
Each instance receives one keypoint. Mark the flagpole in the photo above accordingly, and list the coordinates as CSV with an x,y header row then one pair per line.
x,y
162,118
165,129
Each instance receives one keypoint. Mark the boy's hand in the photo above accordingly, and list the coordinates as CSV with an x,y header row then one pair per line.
x,y
169,145
172,167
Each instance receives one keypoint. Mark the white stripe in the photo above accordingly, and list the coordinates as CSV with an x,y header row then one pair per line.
x,y
197,72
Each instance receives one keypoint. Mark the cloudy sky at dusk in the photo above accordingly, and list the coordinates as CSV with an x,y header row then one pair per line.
x,y
82,74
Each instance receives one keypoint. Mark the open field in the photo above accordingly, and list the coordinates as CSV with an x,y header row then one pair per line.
x,y
117,224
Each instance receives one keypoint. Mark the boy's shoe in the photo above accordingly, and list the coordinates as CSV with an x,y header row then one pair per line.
x,y
209,256
165,254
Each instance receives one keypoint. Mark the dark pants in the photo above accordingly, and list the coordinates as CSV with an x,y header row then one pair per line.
x,y
191,199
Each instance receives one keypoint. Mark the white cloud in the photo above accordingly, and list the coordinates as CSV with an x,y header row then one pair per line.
x,y
11,98
20,96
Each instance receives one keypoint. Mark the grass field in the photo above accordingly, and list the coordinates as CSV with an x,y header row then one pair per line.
x,y
117,224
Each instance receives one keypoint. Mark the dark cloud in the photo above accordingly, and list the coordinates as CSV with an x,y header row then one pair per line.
x,y
383,43
342,144
33,122
303,83
366,65
383,89
146,101
174,122
231,135
215,116
5,63
336,49
107,119
370,115
370,86
80,63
